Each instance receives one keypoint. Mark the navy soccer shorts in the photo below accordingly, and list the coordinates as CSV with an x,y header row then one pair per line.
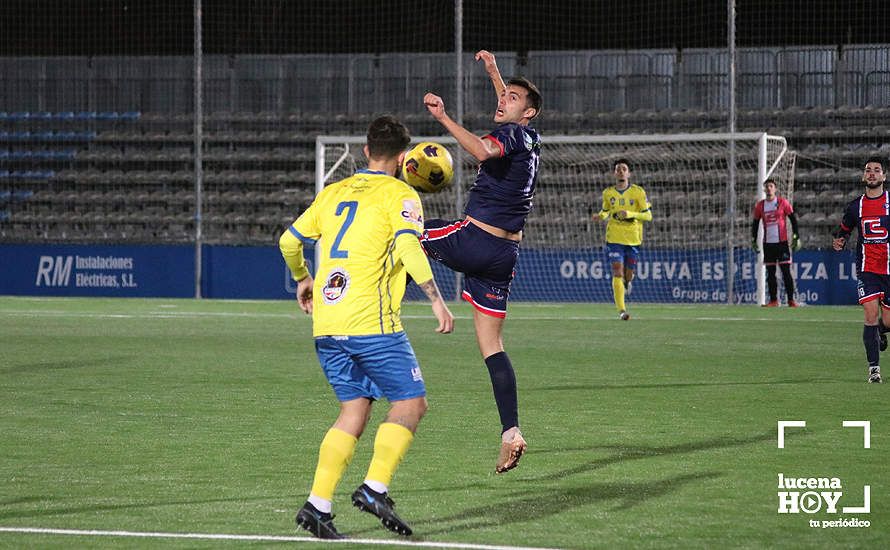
x,y
488,262
370,366
873,286
776,253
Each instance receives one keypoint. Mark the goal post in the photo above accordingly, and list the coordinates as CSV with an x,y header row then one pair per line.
x,y
701,202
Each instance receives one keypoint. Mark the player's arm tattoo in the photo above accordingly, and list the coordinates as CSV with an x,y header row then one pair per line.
x,y
430,289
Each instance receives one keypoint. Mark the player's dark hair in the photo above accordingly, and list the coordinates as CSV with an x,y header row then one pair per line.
x,y
620,161
534,94
877,160
387,137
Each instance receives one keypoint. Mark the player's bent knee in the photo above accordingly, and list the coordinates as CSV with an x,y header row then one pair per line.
x,y
408,412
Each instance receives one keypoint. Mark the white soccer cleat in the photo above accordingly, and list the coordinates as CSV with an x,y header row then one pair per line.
x,y
874,375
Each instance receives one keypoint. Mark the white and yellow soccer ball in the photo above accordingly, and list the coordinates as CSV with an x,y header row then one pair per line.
x,y
428,167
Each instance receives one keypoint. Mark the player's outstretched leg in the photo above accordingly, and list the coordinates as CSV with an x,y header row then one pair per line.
x,y
318,523
513,446
368,500
874,375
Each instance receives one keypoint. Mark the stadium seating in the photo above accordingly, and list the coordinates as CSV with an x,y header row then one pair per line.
x,y
129,176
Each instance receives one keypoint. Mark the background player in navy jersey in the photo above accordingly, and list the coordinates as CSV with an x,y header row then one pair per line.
x,y
773,210
870,215
485,244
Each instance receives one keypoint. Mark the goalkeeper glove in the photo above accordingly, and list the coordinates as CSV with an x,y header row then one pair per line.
x,y
795,242
754,246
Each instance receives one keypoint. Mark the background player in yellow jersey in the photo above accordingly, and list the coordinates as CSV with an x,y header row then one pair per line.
x,y
625,208
366,228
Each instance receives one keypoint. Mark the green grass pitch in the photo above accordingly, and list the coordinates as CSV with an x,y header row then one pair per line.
x,y
184,416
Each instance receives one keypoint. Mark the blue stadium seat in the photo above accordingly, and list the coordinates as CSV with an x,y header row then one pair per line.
x,y
4,174
22,195
4,116
130,115
41,115
63,115
19,116
5,195
19,136
4,154
85,115
4,215
20,154
62,154
107,115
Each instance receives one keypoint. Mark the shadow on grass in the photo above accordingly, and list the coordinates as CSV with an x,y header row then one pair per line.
x,y
595,387
629,452
66,364
51,508
532,506
620,453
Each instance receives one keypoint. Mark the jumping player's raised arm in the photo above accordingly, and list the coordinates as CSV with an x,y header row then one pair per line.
x,y
491,67
481,149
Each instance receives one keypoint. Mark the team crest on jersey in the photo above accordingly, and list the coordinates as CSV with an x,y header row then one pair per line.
x,y
411,213
528,141
612,200
335,286
631,201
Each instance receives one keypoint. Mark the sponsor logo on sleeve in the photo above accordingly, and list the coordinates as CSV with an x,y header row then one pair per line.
x,y
412,213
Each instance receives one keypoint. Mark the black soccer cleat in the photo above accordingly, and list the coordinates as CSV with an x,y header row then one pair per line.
x,y
320,524
883,341
874,375
368,500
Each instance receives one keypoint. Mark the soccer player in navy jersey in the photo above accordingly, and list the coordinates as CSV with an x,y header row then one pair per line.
x,y
484,245
870,216
773,211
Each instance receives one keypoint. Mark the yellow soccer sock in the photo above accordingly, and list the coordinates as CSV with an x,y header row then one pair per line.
x,y
334,455
618,292
390,446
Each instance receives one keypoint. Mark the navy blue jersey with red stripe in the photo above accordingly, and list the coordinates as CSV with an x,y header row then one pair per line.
x,y
871,218
505,185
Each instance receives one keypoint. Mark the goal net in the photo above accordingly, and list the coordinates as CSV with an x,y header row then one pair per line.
x,y
702,188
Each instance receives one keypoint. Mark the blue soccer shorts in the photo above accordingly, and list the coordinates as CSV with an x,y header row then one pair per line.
x,y
487,262
623,254
872,286
370,366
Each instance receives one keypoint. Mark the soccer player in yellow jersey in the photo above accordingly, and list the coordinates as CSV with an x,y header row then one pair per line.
x,y
625,208
366,228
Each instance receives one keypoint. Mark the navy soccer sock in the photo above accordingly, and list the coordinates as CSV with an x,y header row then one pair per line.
x,y
872,344
503,382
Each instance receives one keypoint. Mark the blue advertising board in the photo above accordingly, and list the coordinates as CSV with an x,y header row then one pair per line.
x,y
671,276
678,276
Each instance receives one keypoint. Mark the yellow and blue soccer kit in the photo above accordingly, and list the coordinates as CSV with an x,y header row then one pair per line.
x,y
366,229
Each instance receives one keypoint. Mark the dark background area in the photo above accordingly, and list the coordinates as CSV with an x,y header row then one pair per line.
x,y
165,27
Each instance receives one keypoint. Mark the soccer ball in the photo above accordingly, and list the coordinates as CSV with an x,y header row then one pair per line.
x,y
428,167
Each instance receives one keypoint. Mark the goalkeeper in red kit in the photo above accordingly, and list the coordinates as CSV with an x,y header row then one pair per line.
x,y
773,211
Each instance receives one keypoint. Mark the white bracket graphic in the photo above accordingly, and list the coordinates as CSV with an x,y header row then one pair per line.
x,y
866,430
866,503
782,424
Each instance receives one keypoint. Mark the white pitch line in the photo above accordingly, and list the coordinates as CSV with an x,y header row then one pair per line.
x,y
513,317
262,538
